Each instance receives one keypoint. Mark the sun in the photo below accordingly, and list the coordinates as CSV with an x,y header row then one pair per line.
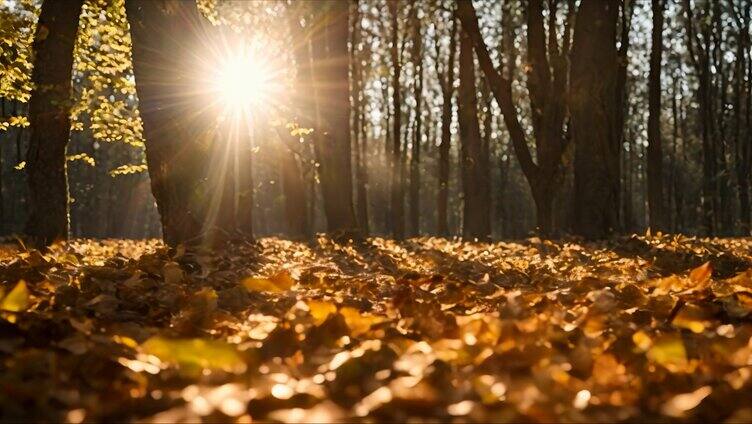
x,y
244,80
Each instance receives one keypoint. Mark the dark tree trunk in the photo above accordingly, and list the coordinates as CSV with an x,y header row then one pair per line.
x,y
332,139
446,78
743,148
699,57
165,34
547,78
417,57
359,122
293,186
658,221
50,123
396,167
594,112
476,213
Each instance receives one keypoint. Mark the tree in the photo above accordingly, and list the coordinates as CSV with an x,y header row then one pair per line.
x,y
547,83
700,59
655,151
397,188
595,113
445,72
417,59
359,124
50,121
474,163
742,18
196,204
332,138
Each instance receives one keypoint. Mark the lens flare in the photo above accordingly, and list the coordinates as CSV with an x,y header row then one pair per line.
x,y
243,80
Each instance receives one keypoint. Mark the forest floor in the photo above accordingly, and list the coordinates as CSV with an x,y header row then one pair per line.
x,y
636,328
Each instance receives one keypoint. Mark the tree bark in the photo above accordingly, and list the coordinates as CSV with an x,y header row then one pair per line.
x,y
658,221
396,167
698,54
743,149
417,58
476,222
547,81
293,188
446,78
359,122
197,203
50,123
332,139
593,90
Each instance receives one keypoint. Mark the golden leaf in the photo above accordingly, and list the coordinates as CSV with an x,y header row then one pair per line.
x,y
359,322
669,351
195,355
17,300
278,283
320,310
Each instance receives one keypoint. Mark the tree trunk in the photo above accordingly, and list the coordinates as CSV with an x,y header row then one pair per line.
x,y
742,150
359,122
417,57
293,186
165,36
447,90
698,54
547,78
50,123
396,167
658,220
594,112
476,222
332,139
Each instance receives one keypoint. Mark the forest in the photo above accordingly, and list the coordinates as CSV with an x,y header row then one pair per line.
x,y
375,210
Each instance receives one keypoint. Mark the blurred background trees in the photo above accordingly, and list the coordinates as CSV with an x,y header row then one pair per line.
x,y
646,125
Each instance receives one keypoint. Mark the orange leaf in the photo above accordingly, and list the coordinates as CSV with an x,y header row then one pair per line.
x,y
701,274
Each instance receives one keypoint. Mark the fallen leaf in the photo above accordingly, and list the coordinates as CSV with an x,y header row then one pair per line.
x,y
359,322
195,355
320,310
16,301
669,351
679,404
278,283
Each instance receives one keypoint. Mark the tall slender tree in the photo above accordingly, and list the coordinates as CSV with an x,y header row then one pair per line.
x,y
742,18
476,217
548,70
698,45
50,123
446,80
655,149
359,124
417,60
396,167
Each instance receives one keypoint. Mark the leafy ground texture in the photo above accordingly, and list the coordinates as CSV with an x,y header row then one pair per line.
x,y
654,328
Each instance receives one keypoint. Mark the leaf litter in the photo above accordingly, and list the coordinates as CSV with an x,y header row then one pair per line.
x,y
640,328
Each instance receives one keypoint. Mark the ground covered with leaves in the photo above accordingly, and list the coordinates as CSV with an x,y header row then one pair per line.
x,y
639,328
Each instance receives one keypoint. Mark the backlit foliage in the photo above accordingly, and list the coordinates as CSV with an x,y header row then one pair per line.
x,y
105,92
17,24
